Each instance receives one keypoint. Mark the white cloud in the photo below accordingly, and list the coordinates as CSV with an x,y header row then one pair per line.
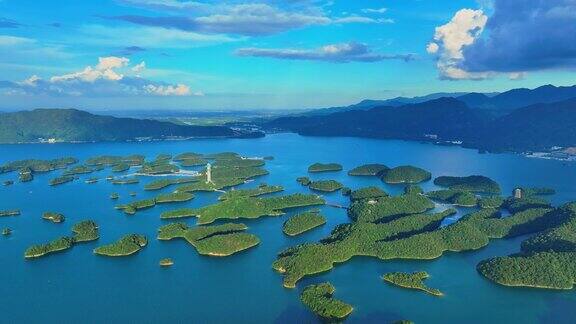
x,y
450,40
112,76
371,10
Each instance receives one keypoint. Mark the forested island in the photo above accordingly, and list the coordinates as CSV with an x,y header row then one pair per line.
x,y
219,240
411,281
125,246
303,222
319,299
84,231
324,167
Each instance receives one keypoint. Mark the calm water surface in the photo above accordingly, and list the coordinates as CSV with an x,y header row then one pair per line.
x,y
77,286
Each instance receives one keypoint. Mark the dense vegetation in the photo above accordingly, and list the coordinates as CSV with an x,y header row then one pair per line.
x,y
319,299
14,212
219,240
82,232
406,174
368,170
262,189
61,180
325,185
53,217
126,181
38,165
163,183
325,167
491,202
411,281
398,228
303,222
125,246
135,206
368,193
547,260
67,125
246,207
473,183
455,197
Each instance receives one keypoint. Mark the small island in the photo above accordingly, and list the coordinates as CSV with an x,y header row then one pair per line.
x,y
7,183
370,193
5,213
53,217
411,281
368,170
305,181
325,185
166,262
91,180
263,189
114,196
163,183
219,240
319,299
303,222
126,246
61,180
406,174
6,231
246,207
85,231
475,183
57,245
324,167
126,181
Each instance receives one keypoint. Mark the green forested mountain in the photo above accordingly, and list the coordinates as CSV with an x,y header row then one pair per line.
x,y
66,125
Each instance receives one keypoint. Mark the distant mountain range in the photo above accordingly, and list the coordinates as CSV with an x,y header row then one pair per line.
x,y
70,125
526,120
496,103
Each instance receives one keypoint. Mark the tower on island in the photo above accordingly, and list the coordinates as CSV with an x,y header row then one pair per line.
x,y
209,174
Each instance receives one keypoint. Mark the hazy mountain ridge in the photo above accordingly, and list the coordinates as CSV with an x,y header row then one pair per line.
x,y
71,125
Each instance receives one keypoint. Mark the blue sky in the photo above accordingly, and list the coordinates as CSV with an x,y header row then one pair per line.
x,y
273,54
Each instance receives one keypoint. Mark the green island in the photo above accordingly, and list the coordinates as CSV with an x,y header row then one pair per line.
x,y
125,181
547,260
263,189
111,160
223,177
61,180
82,232
320,300
475,183
5,213
133,194
7,183
121,167
133,207
6,231
325,167
246,207
406,174
368,170
125,246
85,231
303,222
53,217
346,191
400,227
411,281
325,185
528,191
370,193
91,180
158,167
163,183
25,175
240,163
38,165
455,197
305,181
114,196
190,159
79,169
219,240
514,205
166,262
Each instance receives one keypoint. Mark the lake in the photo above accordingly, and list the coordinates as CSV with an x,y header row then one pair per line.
x,y
77,286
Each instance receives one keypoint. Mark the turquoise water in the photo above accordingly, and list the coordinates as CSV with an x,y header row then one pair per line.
x,y
77,286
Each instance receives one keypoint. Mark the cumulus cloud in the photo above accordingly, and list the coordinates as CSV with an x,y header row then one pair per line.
x,y
520,36
451,39
526,35
333,53
112,76
246,19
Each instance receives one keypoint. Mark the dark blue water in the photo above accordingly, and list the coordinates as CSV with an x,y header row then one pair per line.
x,y
77,286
